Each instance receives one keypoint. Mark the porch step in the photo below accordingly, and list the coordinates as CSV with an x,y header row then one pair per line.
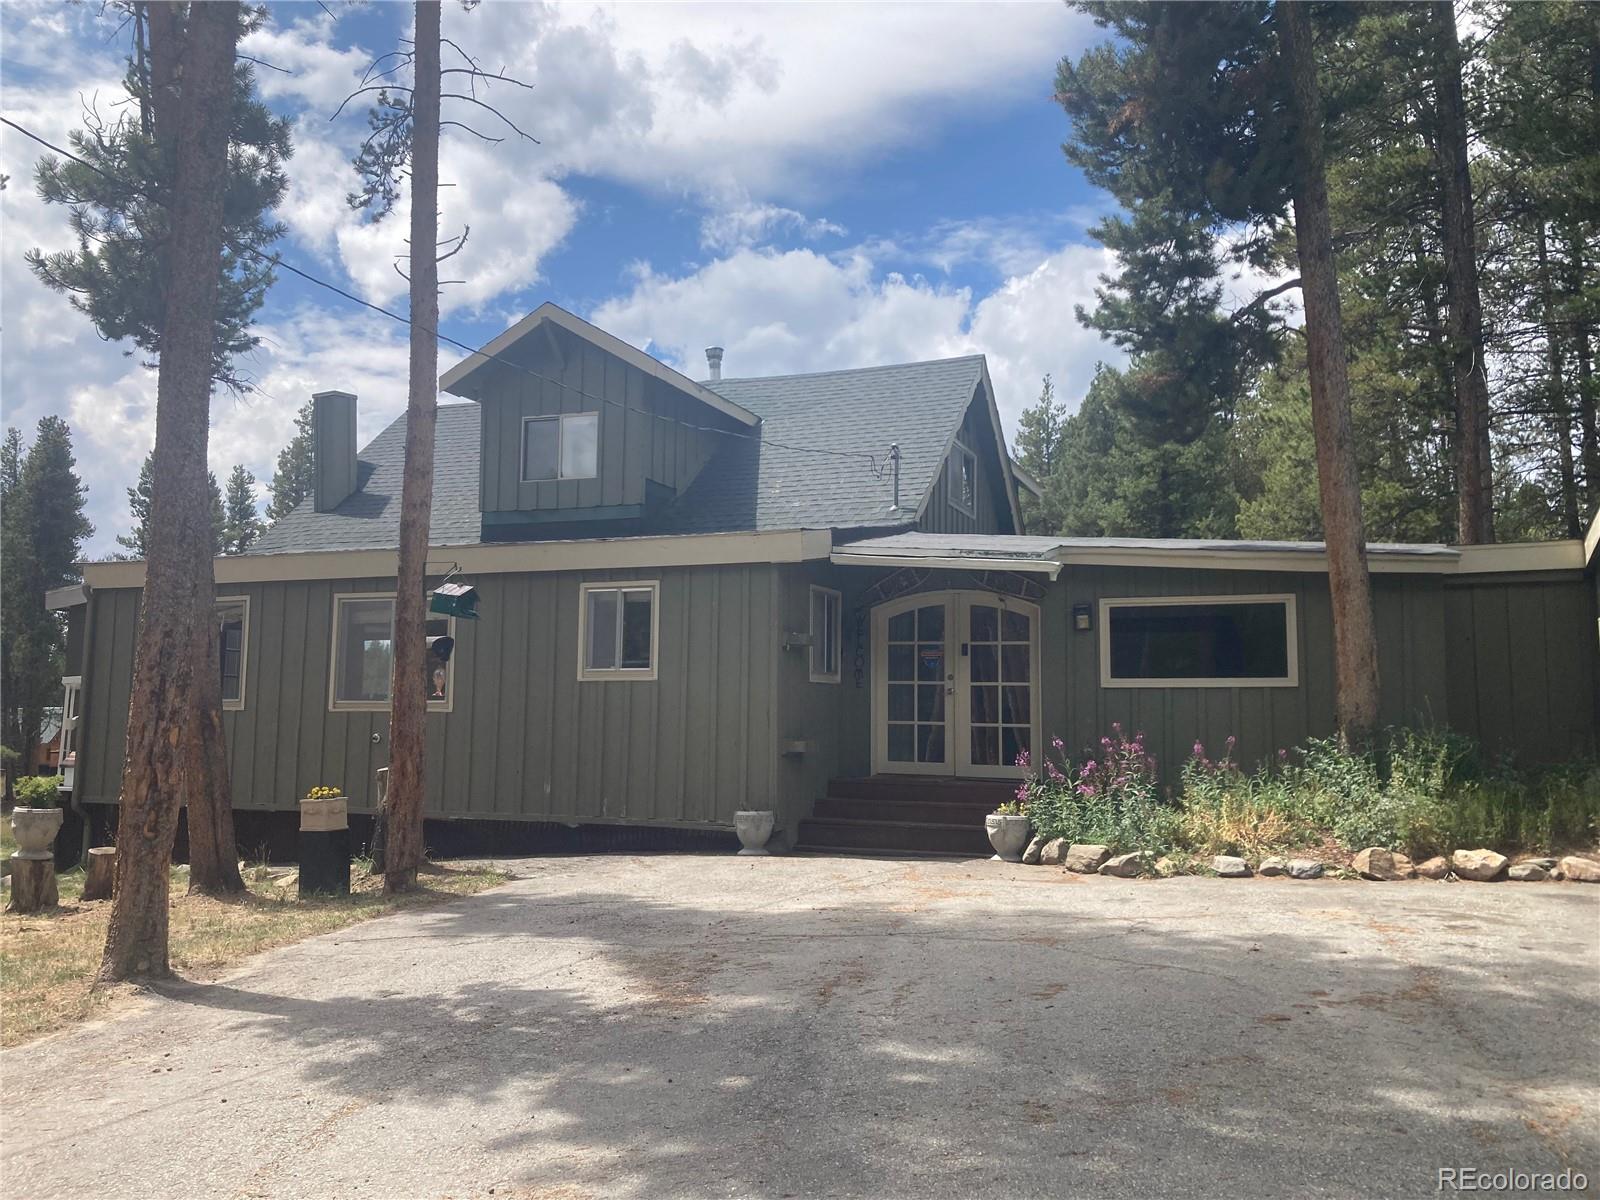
x,y
907,837
923,788
905,811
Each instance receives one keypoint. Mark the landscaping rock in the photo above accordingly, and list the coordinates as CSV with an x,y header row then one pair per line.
x,y
1035,848
1304,868
1053,851
1549,864
1085,859
1230,867
1581,870
1527,872
1479,865
1123,866
1384,866
1166,867
1273,866
1434,868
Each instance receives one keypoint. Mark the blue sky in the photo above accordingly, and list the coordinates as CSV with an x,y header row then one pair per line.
x,y
811,187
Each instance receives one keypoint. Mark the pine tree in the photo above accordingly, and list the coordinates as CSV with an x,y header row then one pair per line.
x,y
241,525
296,476
137,540
1039,452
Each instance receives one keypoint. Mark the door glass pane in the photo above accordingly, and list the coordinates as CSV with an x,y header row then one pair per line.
x,y
1014,741
1015,625
930,660
985,663
930,743
930,702
900,743
930,623
986,705
366,661
984,624
602,621
1015,705
901,702
985,746
902,662
903,627
1014,663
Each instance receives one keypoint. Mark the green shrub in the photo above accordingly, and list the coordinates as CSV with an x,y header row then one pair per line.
x,y
1111,800
35,791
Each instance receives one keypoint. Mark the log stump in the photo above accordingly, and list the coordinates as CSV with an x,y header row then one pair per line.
x,y
102,873
33,884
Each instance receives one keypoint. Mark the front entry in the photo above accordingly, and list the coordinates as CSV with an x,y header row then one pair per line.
x,y
955,684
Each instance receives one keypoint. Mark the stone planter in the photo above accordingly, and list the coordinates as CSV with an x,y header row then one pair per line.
x,y
324,814
35,830
1008,834
754,830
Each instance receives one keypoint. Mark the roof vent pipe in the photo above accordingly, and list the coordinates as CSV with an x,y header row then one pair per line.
x,y
714,360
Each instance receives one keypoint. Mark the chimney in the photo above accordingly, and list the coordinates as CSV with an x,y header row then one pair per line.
x,y
333,448
714,359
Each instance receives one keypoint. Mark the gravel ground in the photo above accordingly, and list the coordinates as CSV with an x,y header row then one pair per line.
x,y
655,1026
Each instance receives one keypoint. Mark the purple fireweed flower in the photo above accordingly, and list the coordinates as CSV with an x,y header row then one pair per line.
x,y
1231,743
1058,743
1283,755
1055,775
1199,749
1022,793
1022,758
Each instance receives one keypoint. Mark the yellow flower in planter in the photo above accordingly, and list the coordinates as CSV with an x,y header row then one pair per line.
x,y
323,793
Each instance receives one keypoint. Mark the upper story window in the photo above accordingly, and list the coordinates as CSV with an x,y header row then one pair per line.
x,y
1198,641
617,624
826,618
233,635
363,655
963,481
565,447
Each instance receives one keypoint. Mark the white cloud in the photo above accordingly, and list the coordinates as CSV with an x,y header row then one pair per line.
x,y
750,224
795,311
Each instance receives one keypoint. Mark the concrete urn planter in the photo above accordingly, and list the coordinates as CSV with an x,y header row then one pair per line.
x,y
754,830
35,830
1008,834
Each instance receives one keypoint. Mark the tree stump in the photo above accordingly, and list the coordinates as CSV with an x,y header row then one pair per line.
x,y
102,872
33,884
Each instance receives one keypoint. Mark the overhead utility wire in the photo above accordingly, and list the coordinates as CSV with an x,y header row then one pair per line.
x,y
275,261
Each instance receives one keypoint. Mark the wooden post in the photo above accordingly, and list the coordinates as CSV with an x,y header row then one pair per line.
x,y
33,884
102,873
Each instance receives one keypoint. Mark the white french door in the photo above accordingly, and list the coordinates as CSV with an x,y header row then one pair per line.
x,y
955,684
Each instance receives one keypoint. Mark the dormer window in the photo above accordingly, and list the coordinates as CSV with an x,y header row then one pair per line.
x,y
565,447
963,482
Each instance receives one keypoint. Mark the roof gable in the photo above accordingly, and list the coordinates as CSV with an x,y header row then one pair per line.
x,y
458,380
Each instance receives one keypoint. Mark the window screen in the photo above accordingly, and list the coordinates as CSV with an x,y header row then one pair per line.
x,y
364,654
825,621
963,481
230,644
619,630
1246,640
566,447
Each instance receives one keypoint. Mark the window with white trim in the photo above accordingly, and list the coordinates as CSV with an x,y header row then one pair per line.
x,y
1198,641
363,655
617,627
564,447
233,640
962,481
827,608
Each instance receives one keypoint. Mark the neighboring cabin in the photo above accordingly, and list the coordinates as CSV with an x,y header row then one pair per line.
x,y
699,597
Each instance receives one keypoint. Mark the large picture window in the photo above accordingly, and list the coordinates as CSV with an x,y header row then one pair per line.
x,y
1198,641
233,639
963,481
363,655
617,630
565,447
826,619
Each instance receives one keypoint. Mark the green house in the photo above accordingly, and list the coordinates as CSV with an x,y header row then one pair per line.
x,y
700,597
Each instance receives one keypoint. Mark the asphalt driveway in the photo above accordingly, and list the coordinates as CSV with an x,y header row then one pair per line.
x,y
723,1026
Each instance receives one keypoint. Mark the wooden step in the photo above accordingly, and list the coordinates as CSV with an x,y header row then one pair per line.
x,y
932,812
838,833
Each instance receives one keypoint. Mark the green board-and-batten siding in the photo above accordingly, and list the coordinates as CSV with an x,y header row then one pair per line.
x,y
991,513
524,736
645,427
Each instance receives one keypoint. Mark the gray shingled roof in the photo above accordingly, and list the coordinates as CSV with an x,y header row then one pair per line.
x,y
804,467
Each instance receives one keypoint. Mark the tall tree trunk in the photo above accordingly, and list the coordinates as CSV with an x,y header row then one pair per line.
x,y
409,705
1475,473
178,575
1588,401
206,789
1556,389
1354,640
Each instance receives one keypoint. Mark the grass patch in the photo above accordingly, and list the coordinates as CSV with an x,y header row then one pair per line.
x,y
48,960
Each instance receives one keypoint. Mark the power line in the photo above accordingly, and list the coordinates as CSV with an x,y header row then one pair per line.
x,y
275,260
